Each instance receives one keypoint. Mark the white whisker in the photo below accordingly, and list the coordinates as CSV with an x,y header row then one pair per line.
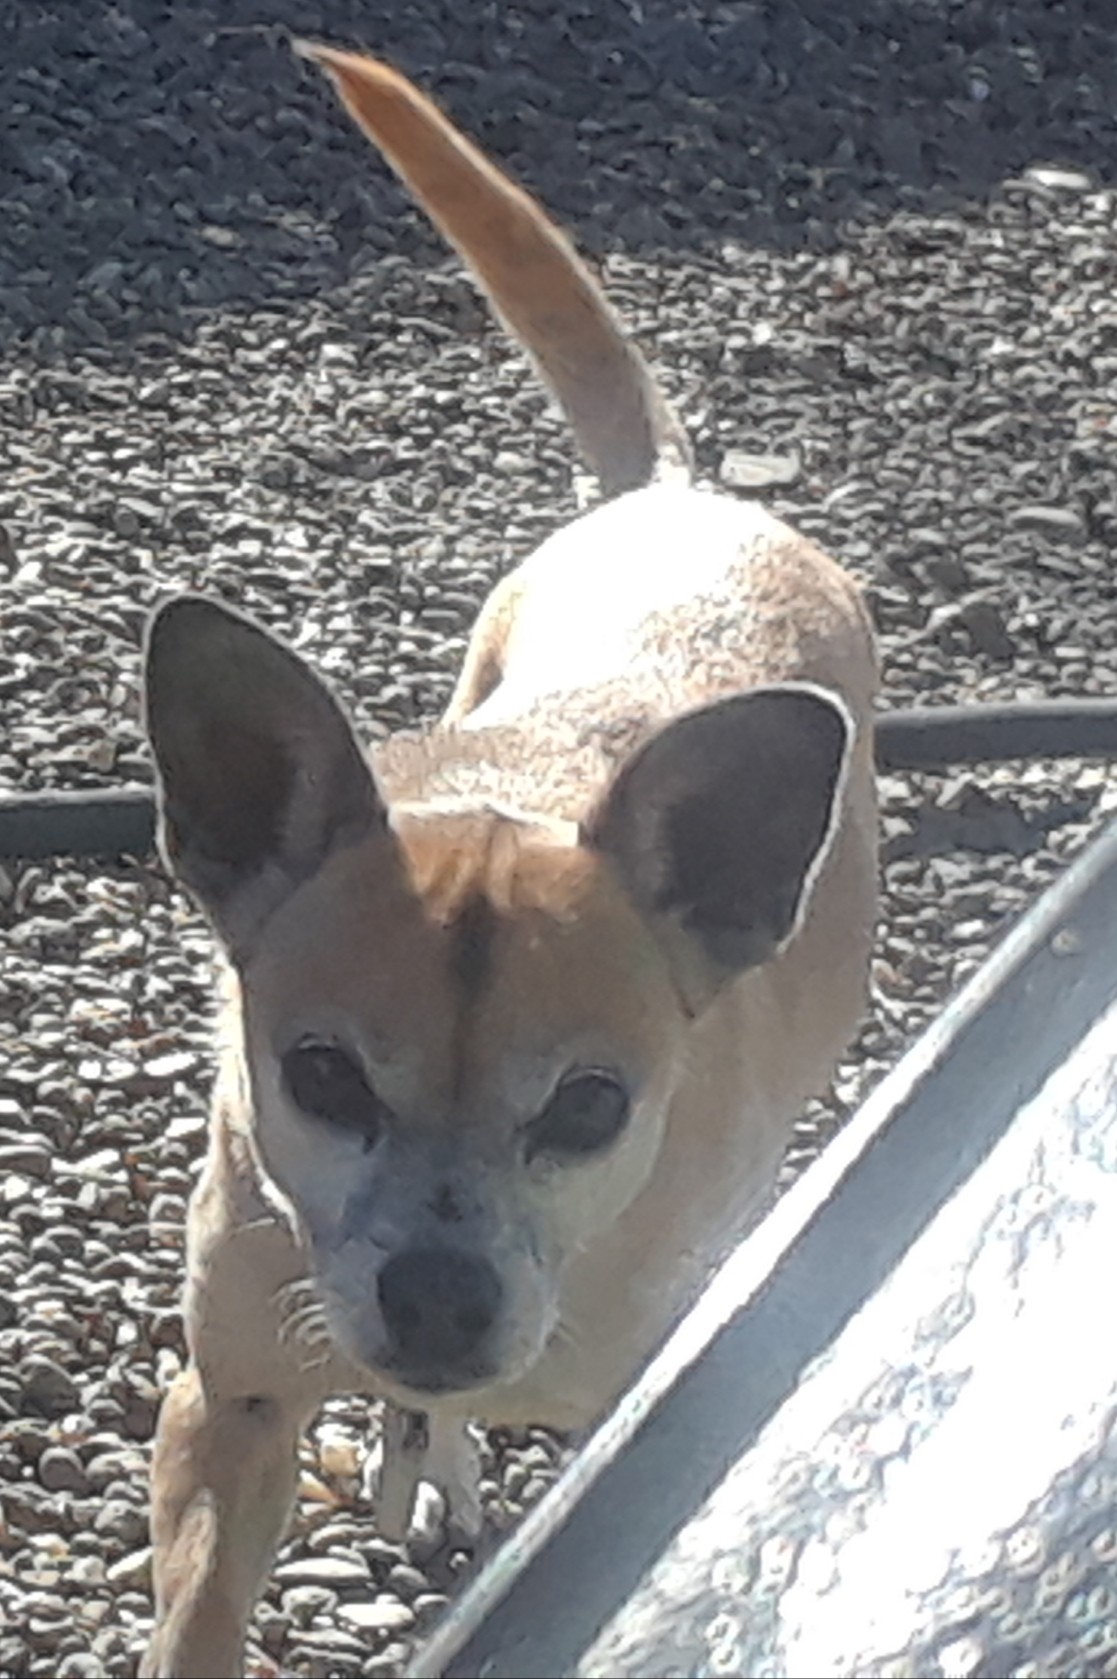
x,y
565,1336
301,1288
302,1322
306,1362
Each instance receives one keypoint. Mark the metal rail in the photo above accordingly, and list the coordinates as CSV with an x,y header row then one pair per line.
x,y
121,821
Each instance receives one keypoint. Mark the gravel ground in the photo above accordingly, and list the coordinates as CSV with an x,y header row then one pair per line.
x,y
871,241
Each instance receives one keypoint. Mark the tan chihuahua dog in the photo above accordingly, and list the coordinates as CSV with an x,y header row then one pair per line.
x,y
520,1016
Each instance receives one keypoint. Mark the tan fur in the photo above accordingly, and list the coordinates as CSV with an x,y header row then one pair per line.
x,y
527,267
662,603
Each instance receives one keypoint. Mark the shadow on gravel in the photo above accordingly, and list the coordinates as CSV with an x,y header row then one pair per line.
x,y
160,160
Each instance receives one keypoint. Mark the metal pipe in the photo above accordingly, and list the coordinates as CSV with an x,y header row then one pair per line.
x,y
120,821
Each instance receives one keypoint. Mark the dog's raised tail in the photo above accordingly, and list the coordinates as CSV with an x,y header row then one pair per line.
x,y
537,283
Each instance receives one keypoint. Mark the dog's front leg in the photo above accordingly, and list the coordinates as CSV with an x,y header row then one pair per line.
x,y
223,1483
398,1465
419,1446
453,1465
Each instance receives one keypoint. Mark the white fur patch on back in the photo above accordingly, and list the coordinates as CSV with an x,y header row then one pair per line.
x,y
590,587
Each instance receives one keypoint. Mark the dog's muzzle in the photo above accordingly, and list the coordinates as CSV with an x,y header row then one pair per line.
x,y
440,1308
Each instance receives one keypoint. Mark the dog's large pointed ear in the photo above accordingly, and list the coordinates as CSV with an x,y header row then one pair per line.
x,y
719,825
260,778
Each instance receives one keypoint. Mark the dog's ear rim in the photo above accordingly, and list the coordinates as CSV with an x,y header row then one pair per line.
x,y
238,894
610,830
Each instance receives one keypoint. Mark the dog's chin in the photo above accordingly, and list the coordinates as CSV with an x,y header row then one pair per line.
x,y
418,1385
408,1382
411,1384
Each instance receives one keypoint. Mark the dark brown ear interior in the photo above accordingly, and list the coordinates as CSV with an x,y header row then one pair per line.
x,y
260,776
720,822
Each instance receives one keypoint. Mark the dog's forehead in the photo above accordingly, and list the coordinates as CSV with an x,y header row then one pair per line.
x,y
409,926
544,951
460,856
481,936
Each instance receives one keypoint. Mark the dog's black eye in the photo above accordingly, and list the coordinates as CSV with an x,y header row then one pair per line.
x,y
587,1112
324,1081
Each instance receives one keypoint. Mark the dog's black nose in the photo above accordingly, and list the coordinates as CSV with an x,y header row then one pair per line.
x,y
439,1307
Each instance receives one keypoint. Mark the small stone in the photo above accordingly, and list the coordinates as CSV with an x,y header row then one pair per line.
x,y
173,1066
14,1187
87,1571
105,1467
42,1631
429,1607
1059,180
214,234
122,1521
428,1521
275,475
33,1159
126,523
140,1407
110,1646
383,1614
407,1582
1059,523
101,755
986,628
947,573
48,1389
60,1470
742,471
334,1572
300,1603
515,1479
167,1209
273,1627
102,1162
106,276
379,1549
339,1456
133,1570
315,1491
81,1664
